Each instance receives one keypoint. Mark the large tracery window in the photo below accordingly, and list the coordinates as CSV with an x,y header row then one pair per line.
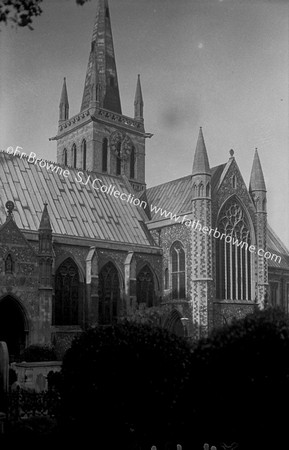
x,y
233,261
66,293
145,286
109,295
178,263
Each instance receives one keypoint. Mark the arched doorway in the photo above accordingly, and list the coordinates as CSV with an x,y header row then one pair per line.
x,y
13,326
174,324
109,295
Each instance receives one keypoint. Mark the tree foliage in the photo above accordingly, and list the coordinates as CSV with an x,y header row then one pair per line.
x,y
242,374
124,383
21,13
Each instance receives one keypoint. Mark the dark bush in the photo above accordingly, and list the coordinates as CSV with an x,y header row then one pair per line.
x,y
124,384
12,376
242,376
55,381
38,353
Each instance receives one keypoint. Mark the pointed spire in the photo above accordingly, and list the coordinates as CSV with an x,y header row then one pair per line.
x,y
138,101
257,182
101,65
201,161
64,105
45,224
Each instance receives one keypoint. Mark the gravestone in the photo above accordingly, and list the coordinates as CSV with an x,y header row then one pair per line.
x,y
4,367
4,382
4,370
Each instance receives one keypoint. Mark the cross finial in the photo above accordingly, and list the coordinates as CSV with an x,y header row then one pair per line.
x,y
9,206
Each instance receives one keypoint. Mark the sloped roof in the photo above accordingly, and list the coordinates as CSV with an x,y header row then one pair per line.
x,y
275,246
175,196
74,209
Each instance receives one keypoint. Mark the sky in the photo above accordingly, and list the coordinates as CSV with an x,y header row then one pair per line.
x,y
219,64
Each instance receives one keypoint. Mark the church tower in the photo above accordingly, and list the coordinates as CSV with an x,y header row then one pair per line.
x,y
100,138
201,280
257,189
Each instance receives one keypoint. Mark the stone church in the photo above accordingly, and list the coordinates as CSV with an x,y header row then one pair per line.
x,y
82,245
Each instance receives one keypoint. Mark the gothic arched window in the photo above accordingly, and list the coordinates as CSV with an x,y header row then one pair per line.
x,y
118,158
83,151
66,293
178,264
74,155
201,190
9,265
208,189
132,163
233,261
65,157
109,295
145,286
104,154
195,190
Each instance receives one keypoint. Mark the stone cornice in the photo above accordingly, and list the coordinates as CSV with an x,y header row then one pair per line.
x,y
102,115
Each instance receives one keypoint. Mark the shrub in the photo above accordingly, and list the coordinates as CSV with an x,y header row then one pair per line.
x,y
38,353
242,374
55,381
124,383
12,376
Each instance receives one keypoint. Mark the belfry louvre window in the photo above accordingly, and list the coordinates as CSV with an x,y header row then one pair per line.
x,y
74,155
178,263
83,146
233,261
132,163
104,154
66,293
118,158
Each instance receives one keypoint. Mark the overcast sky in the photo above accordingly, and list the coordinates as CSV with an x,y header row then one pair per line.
x,y
219,64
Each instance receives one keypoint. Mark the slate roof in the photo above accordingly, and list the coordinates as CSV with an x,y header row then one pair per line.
x,y
74,209
175,196
274,245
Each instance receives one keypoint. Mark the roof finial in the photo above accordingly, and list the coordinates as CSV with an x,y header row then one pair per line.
x,y
232,153
9,206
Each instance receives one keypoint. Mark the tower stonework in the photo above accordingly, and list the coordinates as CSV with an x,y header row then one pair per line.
x,y
100,138
257,189
202,282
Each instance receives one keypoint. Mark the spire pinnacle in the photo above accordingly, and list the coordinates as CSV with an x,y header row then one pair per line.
x,y
201,161
64,105
101,67
45,224
257,182
138,101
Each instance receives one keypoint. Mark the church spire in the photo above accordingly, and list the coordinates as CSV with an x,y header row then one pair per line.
x,y
101,65
257,182
201,161
138,101
63,105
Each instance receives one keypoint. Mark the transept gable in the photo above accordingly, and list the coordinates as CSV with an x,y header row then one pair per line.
x,y
231,183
